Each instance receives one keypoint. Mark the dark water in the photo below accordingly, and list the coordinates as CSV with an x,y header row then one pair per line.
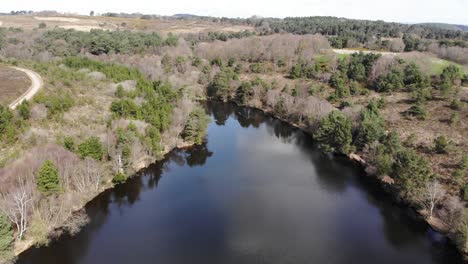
x,y
257,192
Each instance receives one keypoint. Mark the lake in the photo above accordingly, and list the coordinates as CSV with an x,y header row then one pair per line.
x,y
257,191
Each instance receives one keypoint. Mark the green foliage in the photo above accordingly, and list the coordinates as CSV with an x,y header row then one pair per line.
x,y
56,104
454,118
338,82
360,65
334,133
442,145
91,147
42,25
447,78
244,92
24,110
393,81
196,126
257,68
160,96
119,178
349,33
412,172
386,152
220,86
69,143
153,139
6,236
418,111
101,42
413,78
47,180
8,125
119,92
371,127
302,69
456,104
125,108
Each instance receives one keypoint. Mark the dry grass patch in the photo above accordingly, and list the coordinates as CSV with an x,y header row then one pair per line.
x,y
13,84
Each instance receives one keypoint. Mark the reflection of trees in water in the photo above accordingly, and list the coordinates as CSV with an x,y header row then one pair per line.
x,y
249,117
197,155
220,111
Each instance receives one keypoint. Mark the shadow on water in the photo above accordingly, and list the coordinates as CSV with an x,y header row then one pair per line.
x,y
191,223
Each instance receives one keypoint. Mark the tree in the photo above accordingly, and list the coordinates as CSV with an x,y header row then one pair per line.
x,y
16,206
91,13
6,235
413,78
334,133
434,193
91,147
390,82
48,180
412,172
371,128
195,129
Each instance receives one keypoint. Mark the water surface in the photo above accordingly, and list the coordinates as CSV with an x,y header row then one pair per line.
x,y
257,191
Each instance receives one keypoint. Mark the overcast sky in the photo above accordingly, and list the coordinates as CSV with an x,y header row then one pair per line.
x,y
448,11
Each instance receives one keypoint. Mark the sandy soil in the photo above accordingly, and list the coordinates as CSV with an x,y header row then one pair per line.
x,y
82,28
350,51
60,19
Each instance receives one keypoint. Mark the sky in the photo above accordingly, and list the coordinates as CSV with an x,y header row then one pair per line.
x,y
405,11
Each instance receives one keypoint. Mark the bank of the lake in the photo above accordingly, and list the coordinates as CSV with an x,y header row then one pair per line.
x,y
257,191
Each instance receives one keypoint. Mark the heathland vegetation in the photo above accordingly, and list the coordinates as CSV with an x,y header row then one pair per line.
x,y
114,101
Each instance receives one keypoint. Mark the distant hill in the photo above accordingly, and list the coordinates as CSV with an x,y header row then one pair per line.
x,y
446,26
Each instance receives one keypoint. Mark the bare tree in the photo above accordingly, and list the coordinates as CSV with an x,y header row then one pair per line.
x,y
15,204
454,210
433,194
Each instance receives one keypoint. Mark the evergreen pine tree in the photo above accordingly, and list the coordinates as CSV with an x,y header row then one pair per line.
x,y
48,181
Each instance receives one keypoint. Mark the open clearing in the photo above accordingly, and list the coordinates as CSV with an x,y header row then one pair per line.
x,y
13,83
86,23
60,19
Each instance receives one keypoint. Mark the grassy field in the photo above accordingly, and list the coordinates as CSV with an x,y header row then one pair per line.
x,y
13,83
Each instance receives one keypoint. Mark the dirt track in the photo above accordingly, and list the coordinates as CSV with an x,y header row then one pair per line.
x,y
350,51
36,84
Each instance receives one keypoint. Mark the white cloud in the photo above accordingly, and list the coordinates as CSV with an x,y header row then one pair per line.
x,y
450,11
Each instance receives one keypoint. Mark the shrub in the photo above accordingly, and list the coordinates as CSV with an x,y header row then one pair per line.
x,y
24,110
417,111
454,118
91,147
334,133
48,181
442,145
69,143
6,236
119,178
456,104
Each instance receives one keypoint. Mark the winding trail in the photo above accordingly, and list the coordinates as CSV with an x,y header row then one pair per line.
x,y
351,51
36,84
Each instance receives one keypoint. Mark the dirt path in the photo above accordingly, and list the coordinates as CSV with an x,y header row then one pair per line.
x,y
36,84
350,51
